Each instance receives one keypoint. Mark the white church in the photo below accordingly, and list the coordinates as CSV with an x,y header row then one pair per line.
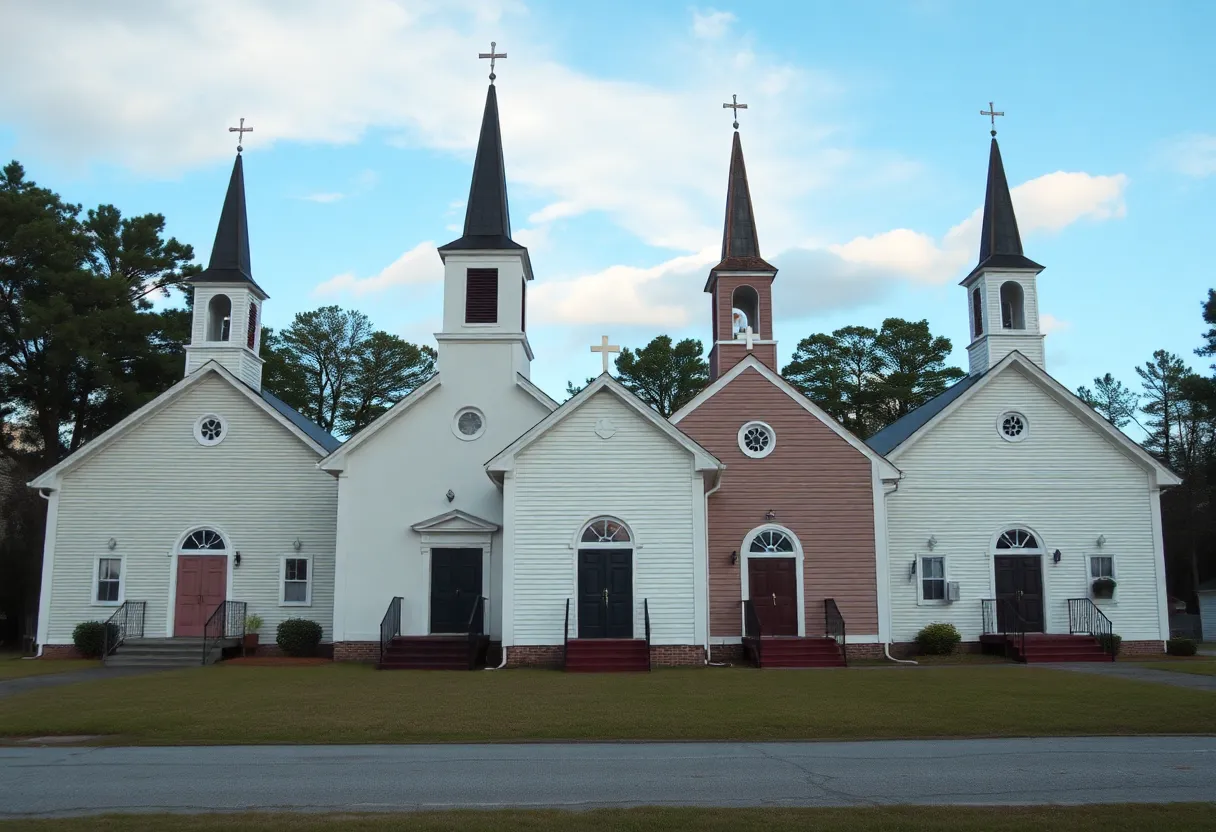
x,y
478,521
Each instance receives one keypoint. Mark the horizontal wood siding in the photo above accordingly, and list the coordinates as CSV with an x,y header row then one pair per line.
x,y
963,484
819,486
571,475
260,486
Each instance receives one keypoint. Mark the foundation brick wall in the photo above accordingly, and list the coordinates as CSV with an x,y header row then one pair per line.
x,y
1141,648
677,655
60,651
354,651
535,655
872,650
727,654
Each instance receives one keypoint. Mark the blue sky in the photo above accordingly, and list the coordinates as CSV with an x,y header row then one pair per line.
x,y
865,149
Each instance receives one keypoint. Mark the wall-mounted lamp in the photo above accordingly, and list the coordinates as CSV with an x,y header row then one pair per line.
x,y
931,543
296,544
1055,556
236,559
111,544
912,570
769,515
451,495
734,558
1101,541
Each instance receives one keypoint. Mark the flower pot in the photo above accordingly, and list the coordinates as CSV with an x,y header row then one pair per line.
x,y
251,643
1103,588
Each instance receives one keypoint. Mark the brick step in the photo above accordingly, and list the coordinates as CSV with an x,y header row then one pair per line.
x,y
770,664
445,650
607,655
407,664
1079,657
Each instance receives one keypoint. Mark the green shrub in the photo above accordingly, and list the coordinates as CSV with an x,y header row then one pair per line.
x,y
298,637
1107,641
938,639
253,623
1181,647
89,638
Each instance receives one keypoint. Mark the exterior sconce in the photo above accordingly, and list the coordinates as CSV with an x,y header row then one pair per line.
x,y
111,544
236,559
1101,541
1055,556
931,543
769,515
912,571
451,495
734,558
296,544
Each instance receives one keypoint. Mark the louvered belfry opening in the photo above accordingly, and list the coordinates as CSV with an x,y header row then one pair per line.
x,y
481,296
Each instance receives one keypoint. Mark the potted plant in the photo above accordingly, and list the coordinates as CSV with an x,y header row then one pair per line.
x,y
1104,588
253,623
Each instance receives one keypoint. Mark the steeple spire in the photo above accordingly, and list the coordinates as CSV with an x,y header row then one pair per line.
x,y
230,253
740,244
1000,242
487,219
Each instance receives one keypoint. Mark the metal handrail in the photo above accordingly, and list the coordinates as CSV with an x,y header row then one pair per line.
x,y
752,628
833,626
226,621
566,634
476,629
646,617
126,622
1085,617
390,626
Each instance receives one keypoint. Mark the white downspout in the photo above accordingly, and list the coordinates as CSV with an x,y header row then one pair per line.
x,y
886,648
501,664
708,645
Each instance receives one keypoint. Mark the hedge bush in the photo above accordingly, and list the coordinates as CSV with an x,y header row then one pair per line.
x,y
1181,647
1106,641
298,637
938,639
89,638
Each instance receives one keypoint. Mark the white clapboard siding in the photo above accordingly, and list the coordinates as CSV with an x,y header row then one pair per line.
x,y
260,486
963,484
640,476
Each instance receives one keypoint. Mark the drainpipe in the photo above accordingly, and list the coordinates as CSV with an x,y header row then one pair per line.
x,y
503,663
45,493
886,648
709,494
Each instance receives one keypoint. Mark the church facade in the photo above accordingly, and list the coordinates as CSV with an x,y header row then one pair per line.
x,y
480,521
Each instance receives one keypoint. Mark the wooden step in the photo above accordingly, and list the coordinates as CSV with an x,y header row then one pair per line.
x,y
783,652
426,653
607,655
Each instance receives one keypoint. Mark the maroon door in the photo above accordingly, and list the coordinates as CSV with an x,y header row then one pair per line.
x,y
773,588
202,582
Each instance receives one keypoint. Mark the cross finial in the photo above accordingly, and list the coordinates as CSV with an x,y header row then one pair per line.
x,y
736,106
493,56
240,134
604,349
992,112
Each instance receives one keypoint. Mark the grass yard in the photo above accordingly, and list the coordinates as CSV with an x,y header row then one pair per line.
x,y
12,666
1114,818
1200,668
340,703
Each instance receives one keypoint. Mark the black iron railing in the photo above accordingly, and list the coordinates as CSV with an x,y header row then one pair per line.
x,y
227,621
126,622
833,626
1085,617
566,634
390,627
752,631
476,629
646,618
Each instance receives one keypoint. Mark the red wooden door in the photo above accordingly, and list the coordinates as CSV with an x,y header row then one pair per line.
x,y
202,583
773,588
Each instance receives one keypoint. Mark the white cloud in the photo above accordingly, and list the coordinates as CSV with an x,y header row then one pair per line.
x,y
1193,154
1050,324
323,198
711,24
419,265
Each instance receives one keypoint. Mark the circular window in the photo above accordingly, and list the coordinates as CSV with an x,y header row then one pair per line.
x,y
1013,426
210,429
469,424
757,439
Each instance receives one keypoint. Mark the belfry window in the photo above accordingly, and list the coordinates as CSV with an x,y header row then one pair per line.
x,y
481,296
745,311
1013,305
977,312
251,338
219,318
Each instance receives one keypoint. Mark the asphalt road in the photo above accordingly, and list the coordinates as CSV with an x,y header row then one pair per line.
x,y
67,781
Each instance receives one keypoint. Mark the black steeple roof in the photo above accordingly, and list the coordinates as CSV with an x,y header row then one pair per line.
x,y
740,245
230,253
487,220
1000,242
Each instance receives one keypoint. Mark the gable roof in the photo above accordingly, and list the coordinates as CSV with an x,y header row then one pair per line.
x,y
889,471
1015,360
890,437
314,431
504,460
277,409
337,459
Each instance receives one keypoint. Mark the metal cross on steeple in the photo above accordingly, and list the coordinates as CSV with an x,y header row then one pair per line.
x,y
736,106
992,112
240,134
493,56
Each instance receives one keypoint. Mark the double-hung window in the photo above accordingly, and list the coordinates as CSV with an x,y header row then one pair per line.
x,y
1101,566
932,578
297,582
109,581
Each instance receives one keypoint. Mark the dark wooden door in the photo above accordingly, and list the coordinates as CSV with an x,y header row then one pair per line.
x,y
202,585
455,587
773,588
1019,580
605,593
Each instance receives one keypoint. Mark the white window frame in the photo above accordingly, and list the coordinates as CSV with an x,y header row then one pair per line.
x,y
1000,429
921,600
198,430
456,424
772,439
283,602
1089,577
122,581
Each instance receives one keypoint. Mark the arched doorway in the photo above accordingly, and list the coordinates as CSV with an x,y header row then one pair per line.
x,y
201,579
1017,571
605,580
772,579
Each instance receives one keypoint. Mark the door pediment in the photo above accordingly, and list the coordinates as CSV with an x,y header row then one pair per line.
x,y
455,522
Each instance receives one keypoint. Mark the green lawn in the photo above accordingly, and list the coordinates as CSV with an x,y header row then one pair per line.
x,y
1200,668
1113,818
354,704
12,666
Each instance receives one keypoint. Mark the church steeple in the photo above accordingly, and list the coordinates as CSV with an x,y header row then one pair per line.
x,y
1002,289
742,282
227,301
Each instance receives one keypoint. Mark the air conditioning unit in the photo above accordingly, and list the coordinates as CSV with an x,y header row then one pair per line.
x,y
952,590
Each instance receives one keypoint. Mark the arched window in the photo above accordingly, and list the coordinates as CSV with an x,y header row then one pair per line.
x,y
252,328
1017,539
745,310
1013,302
204,540
977,312
771,540
605,530
219,318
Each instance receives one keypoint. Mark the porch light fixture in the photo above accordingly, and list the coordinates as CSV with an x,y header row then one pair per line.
x,y
111,544
236,559
1101,541
296,544
451,495
931,543
734,558
912,570
1055,556
769,515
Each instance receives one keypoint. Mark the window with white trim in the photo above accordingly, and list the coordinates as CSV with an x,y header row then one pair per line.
x,y
210,429
771,540
108,586
605,530
757,440
1013,426
932,578
1102,581
297,581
